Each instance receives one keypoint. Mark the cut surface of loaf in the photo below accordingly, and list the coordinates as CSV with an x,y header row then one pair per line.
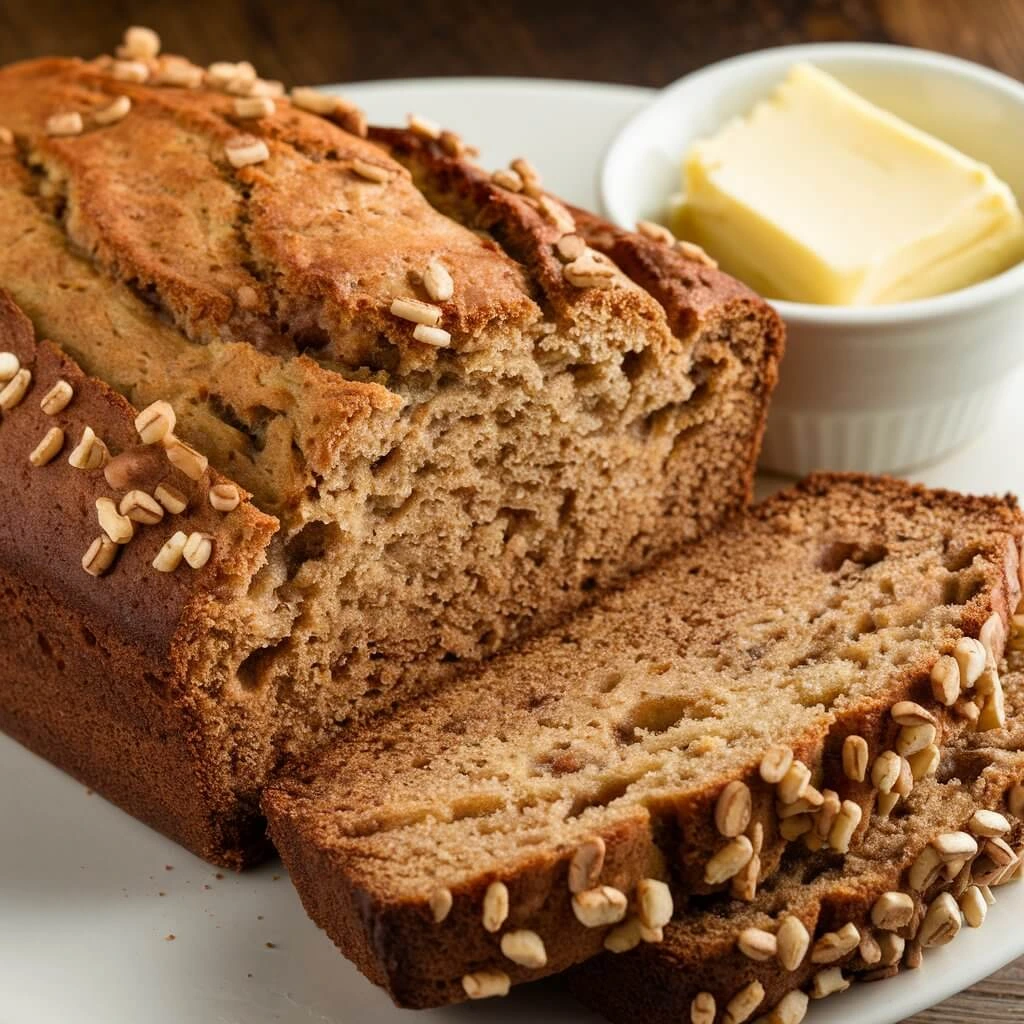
x,y
436,499
885,888
674,733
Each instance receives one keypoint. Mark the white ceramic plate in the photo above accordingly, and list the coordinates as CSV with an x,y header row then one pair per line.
x,y
89,897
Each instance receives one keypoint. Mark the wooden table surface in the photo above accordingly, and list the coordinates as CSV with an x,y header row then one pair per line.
x,y
643,43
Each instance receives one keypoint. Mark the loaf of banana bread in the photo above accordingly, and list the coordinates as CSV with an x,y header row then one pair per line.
x,y
669,743
458,416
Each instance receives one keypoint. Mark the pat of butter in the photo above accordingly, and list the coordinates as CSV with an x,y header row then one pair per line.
x,y
819,196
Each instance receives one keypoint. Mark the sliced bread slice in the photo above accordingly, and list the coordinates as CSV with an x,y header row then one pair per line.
x,y
885,902
638,757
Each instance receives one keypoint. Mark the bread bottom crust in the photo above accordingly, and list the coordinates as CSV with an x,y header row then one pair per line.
x,y
96,708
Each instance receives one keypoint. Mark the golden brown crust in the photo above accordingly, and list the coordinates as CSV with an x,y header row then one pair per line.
x,y
95,674
688,292
324,250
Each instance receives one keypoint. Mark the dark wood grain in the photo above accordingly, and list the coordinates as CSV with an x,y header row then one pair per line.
x,y
316,41
641,43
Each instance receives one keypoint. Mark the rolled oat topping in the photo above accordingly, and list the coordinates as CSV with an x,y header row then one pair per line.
x,y
598,907
703,1009
845,826
177,72
198,549
141,507
139,43
416,311
313,101
525,948
624,937
694,252
235,79
114,112
728,861
155,422
757,944
794,941
48,448
655,232
974,907
68,122
438,281
507,180
892,911
945,679
828,982
529,175
586,864
495,906
15,389
570,247
589,272
971,657
267,88
794,783
246,150
117,527
835,945
130,71
776,763
924,762
654,902
191,462
171,499
246,297
424,127
732,811
169,557
224,497
988,823
90,452
436,336
741,1007
452,143
941,922
254,107
100,556
486,984
370,172
440,904
555,212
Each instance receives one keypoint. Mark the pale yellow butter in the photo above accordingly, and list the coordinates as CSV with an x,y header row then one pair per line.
x,y
819,196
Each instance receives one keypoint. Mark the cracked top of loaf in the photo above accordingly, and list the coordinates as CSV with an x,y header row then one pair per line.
x,y
299,251
258,299
296,252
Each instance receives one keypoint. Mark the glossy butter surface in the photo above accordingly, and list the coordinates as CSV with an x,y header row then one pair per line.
x,y
819,196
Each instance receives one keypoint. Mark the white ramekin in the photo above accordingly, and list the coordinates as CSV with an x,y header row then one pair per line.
x,y
872,389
